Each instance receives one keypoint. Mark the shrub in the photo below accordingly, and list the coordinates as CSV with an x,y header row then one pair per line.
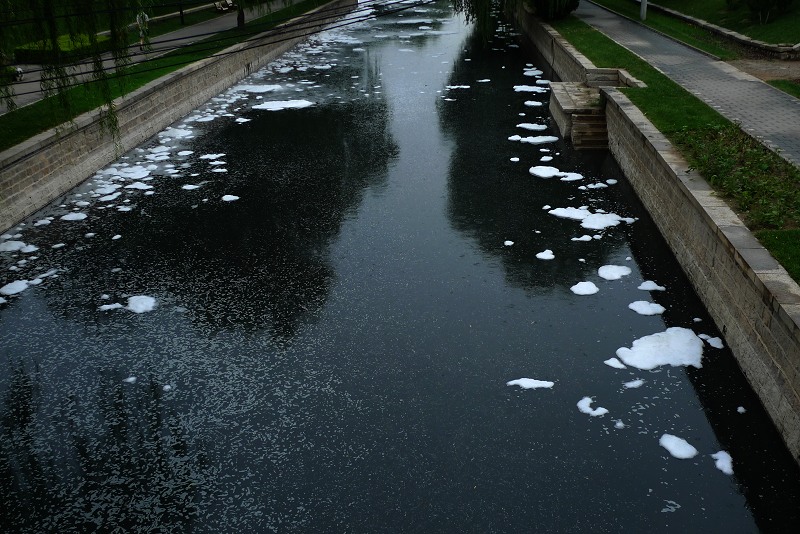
x,y
557,9
763,9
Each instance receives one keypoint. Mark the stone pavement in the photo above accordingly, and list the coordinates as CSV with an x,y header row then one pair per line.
x,y
764,112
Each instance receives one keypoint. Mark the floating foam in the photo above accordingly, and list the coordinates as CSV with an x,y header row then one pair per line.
x,y
74,216
533,103
229,198
723,462
284,104
257,88
532,127
633,384
585,406
106,307
676,347
141,304
613,272
677,447
138,185
534,140
530,383
649,285
543,171
130,380
529,89
592,221
741,409
508,243
546,255
15,287
456,87
584,288
582,238
189,187
11,246
642,307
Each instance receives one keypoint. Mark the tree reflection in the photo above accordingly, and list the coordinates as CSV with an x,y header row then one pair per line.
x,y
259,262
125,464
510,200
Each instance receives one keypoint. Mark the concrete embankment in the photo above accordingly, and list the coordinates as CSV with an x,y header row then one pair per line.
x,y
750,296
34,173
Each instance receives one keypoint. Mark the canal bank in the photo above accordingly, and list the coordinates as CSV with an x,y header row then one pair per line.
x,y
752,298
41,169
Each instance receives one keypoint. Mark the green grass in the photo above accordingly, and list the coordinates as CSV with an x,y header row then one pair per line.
x,y
793,88
781,28
692,35
28,121
760,185
782,244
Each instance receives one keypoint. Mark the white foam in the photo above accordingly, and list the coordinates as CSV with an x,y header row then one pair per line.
x,y
138,185
584,288
130,380
109,198
185,152
715,342
11,246
619,424
723,462
675,346
229,198
189,187
543,171
141,304
633,384
582,238
546,255
530,383
584,405
457,87
257,88
643,307
545,159
74,216
534,140
284,104
529,89
15,287
176,133
42,222
532,127
649,285
677,447
106,307
515,160
741,409
613,272
615,363
211,156
592,221
533,103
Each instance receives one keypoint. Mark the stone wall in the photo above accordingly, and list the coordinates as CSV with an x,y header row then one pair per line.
x,y
752,299
34,173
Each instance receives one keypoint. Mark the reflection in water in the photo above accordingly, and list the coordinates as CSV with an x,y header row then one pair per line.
x,y
492,199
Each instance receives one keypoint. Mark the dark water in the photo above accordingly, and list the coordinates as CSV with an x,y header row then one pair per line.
x,y
336,342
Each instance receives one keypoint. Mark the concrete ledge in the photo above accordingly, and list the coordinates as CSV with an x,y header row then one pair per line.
x,y
752,299
34,173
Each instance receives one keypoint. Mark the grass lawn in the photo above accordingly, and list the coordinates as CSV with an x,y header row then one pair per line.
x,y
760,185
783,245
779,28
793,88
28,121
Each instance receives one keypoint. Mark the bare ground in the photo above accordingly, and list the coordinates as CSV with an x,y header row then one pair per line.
x,y
766,69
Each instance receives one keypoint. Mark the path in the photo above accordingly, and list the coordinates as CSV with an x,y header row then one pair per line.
x,y
763,111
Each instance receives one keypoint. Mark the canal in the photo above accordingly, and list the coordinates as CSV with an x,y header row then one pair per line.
x,y
369,289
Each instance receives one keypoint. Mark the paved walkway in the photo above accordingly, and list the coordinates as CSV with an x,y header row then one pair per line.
x,y
763,111
29,90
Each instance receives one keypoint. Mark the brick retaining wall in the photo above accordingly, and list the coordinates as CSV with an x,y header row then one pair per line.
x,y
34,173
752,299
